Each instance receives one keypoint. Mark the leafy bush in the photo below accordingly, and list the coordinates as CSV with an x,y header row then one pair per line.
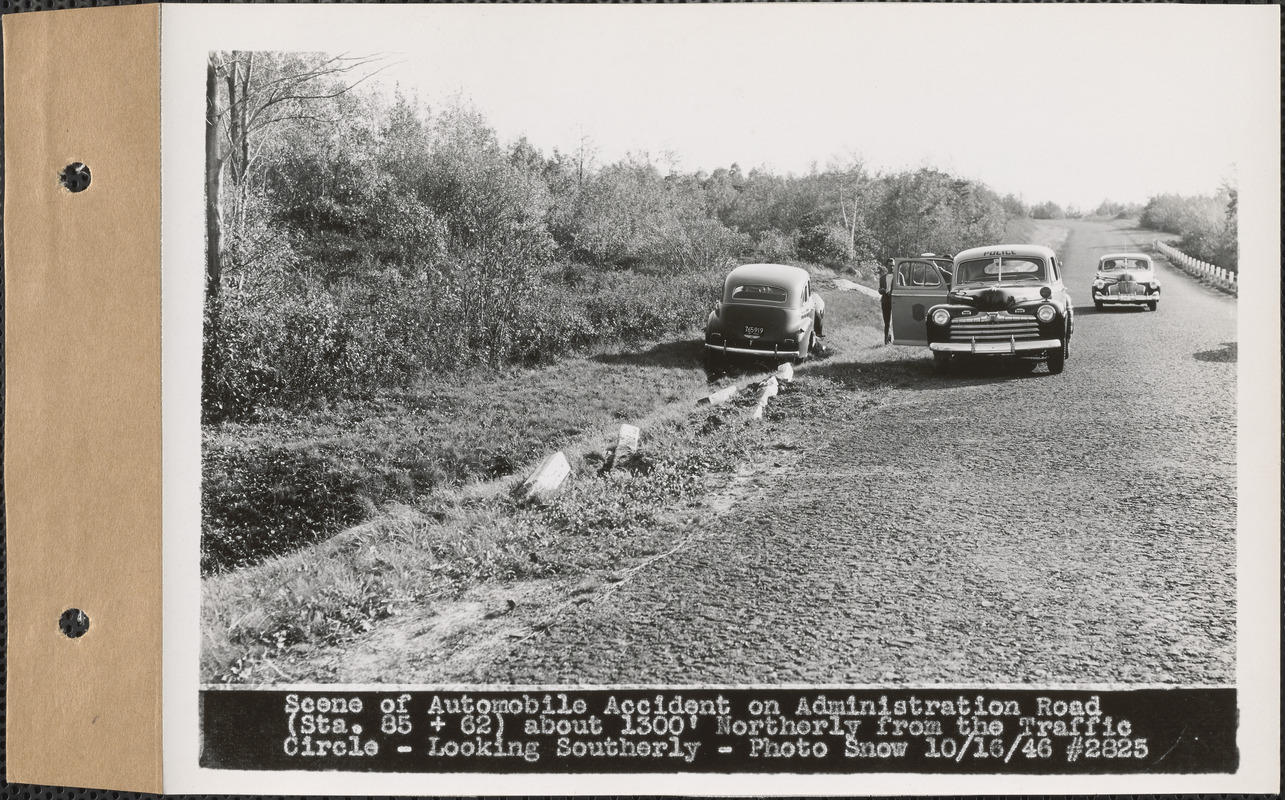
x,y
1048,210
825,244
774,246
932,211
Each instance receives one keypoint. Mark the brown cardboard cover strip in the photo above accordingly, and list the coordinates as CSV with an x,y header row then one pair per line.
x,y
83,419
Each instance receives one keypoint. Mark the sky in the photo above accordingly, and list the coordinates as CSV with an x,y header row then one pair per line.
x,y
1069,103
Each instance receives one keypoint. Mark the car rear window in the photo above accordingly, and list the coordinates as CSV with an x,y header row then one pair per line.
x,y
1125,263
760,291
989,270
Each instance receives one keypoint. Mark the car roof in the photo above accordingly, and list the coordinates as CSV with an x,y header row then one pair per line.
x,y
1142,256
779,274
1005,250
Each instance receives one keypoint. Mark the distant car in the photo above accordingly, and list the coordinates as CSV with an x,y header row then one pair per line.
x,y
768,311
916,283
1126,278
1004,300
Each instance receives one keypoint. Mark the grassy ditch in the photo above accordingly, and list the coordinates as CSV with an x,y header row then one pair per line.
x,y
272,486
279,611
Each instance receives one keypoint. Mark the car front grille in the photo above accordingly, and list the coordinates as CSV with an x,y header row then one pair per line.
x,y
994,328
1127,287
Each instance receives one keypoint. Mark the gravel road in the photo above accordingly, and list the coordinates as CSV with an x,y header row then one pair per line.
x,y
991,524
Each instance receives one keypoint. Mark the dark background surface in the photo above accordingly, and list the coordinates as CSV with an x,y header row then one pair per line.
x,y
7,790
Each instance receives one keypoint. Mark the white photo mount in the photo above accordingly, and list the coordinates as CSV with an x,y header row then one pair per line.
x,y
103,343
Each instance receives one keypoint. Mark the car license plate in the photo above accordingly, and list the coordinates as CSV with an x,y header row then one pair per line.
x,y
753,330
1128,297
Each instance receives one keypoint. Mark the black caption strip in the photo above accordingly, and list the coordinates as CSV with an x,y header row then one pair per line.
x,y
730,730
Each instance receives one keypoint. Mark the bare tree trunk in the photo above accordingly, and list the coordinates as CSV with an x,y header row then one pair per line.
x,y
213,234
850,221
242,140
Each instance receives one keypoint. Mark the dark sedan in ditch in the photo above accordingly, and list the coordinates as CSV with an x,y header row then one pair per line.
x,y
766,311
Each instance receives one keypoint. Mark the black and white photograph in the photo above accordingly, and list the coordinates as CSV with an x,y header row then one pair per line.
x,y
660,349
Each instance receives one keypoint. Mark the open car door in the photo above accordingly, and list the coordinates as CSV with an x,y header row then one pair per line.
x,y
917,286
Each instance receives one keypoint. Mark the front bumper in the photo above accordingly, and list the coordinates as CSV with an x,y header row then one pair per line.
x,y
1126,298
747,351
1008,348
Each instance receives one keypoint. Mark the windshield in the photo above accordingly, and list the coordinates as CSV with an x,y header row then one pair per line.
x,y
994,270
1125,263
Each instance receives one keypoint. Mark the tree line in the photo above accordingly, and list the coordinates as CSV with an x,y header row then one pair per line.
x,y
1207,224
358,240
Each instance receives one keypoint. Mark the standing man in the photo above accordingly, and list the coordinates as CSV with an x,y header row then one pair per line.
x,y
886,277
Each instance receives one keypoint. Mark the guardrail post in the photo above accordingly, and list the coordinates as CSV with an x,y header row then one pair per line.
x,y
1219,276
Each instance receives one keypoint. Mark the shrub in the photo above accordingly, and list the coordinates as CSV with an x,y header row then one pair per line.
x,y
1206,223
1048,210
825,244
775,246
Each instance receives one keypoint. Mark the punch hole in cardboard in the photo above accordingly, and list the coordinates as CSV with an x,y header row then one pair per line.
x,y
75,177
73,623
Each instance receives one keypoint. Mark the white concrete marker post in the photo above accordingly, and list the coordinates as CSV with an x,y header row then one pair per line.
x,y
770,388
546,479
625,445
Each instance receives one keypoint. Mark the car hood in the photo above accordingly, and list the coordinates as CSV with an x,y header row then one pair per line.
x,y
995,298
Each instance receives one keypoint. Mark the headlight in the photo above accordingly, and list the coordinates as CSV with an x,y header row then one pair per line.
x,y
1046,313
941,317
1100,284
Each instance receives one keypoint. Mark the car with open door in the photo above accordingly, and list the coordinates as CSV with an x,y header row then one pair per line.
x,y
1004,301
